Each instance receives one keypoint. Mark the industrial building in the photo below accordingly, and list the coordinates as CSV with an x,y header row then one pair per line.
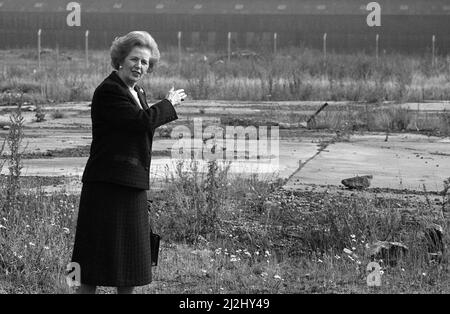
x,y
406,25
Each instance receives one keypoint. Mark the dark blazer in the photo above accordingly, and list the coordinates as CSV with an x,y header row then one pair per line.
x,y
122,134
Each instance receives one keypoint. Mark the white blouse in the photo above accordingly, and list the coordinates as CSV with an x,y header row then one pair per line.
x,y
135,95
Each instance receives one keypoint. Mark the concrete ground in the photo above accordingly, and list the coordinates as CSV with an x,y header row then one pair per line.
x,y
405,161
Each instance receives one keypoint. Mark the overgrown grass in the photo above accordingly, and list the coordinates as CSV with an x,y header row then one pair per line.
x,y
293,74
349,118
272,241
224,234
237,235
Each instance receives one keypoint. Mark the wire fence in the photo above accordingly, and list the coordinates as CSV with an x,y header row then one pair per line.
x,y
432,46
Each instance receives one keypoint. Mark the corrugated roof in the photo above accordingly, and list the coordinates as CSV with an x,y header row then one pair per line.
x,y
403,7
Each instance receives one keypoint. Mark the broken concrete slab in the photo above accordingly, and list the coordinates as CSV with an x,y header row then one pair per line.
x,y
358,182
393,166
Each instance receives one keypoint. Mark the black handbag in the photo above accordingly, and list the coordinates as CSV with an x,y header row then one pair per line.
x,y
154,239
154,247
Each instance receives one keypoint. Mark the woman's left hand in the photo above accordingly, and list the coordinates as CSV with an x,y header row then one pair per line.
x,y
176,96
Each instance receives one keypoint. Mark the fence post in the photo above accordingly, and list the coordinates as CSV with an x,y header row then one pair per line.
x,y
448,62
3,64
275,35
325,45
39,48
377,37
179,49
57,59
433,50
229,47
87,48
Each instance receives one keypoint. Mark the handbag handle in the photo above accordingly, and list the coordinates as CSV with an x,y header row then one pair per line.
x,y
149,204
154,238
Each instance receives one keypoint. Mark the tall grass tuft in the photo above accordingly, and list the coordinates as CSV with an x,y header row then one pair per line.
x,y
14,142
196,203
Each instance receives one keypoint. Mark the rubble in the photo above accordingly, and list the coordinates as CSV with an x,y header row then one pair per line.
x,y
389,252
358,182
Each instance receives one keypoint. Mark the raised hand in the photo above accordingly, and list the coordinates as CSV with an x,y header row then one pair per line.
x,y
176,96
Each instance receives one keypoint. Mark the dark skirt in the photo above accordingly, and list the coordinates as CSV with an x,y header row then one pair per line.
x,y
112,241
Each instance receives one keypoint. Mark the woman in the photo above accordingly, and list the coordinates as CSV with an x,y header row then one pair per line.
x,y
112,241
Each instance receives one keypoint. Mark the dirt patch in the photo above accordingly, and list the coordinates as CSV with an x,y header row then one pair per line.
x,y
37,181
79,151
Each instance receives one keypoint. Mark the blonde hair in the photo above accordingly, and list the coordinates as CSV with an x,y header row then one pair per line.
x,y
122,46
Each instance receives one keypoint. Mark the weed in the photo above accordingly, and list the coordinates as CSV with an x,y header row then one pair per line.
x,y
446,196
197,203
14,143
40,114
57,114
